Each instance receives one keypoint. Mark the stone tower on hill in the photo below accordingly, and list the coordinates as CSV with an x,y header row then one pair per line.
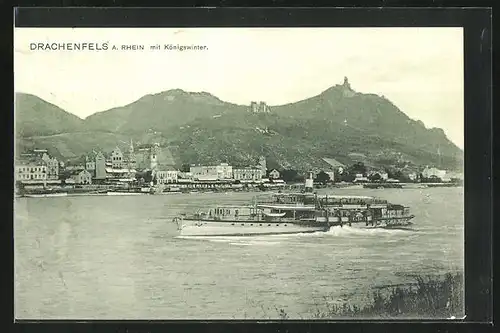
x,y
346,88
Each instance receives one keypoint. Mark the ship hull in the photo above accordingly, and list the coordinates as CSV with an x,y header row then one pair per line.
x,y
204,228
47,195
383,226
124,193
402,223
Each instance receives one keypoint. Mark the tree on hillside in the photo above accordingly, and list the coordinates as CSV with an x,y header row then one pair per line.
x,y
347,177
322,177
291,175
185,167
358,167
394,173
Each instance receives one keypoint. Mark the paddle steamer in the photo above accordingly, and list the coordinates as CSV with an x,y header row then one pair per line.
x,y
295,213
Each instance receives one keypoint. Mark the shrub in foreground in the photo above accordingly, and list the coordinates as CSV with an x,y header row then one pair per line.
x,y
427,297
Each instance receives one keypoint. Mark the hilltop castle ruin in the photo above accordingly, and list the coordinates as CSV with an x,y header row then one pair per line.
x,y
260,107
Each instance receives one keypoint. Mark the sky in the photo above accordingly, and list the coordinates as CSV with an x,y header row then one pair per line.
x,y
419,69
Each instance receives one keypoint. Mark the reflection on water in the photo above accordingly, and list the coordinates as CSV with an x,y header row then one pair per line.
x,y
121,258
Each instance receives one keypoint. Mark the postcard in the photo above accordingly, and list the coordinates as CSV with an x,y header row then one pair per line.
x,y
239,173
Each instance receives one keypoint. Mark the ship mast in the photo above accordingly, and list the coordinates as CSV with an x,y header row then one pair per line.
x,y
255,207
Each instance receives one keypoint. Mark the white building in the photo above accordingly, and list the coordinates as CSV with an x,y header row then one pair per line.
x,y
184,175
124,174
434,172
31,172
224,171
247,174
274,174
78,167
412,176
167,176
52,166
117,161
80,177
383,175
90,162
360,178
221,171
331,174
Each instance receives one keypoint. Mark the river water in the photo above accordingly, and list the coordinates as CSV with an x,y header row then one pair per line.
x,y
119,257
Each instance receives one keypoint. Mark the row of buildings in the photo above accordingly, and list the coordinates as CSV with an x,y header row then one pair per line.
x,y
119,167
225,172
37,167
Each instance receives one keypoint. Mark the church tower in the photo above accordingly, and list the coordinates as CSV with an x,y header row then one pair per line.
x,y
153,157
131,148
131,156
262,166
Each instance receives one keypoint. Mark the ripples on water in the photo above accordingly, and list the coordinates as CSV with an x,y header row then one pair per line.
x,y
121,258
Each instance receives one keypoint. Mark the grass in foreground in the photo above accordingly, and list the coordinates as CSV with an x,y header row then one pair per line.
x,y
427,297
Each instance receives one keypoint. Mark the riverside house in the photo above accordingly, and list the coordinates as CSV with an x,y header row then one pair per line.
x,y
52,166
35,172
81,177
274,174
247,174
166,176
434,172
221,171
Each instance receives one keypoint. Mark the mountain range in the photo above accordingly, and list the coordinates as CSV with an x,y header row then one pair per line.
x,y
338,123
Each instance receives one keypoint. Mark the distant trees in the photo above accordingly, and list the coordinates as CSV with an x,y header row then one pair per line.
x,y
185,167
291,175
322,177
145,176
358,167
431,179
395,173
347,177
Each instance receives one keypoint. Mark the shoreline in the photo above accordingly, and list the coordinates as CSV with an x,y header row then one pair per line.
x,y
84,193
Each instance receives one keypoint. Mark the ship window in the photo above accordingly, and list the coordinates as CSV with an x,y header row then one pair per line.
x,y
242,224
232,223
260,224
285,225
251,224
268,225
277,225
